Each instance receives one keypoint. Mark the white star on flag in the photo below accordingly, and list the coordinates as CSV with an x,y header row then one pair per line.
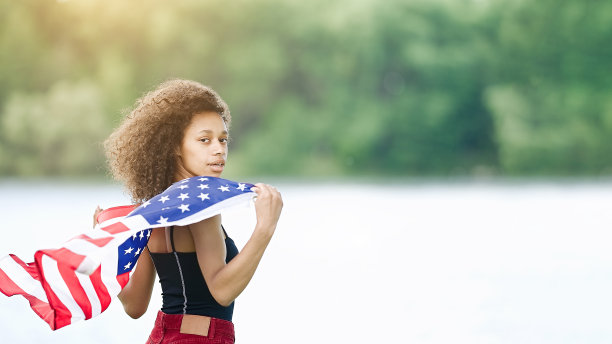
x,y
163,199
162,220
184,208
129,250
127,266
223,188
145,204
183,187
241,186
183,196
203,196
203,186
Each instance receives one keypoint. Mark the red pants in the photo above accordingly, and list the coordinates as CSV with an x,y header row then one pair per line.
x,y
167,330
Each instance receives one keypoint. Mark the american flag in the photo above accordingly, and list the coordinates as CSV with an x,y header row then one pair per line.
x,y
78,280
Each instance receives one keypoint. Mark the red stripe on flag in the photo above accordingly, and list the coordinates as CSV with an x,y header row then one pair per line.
x,y
62,315
114,212
100,288
123,279
10,288
76,290
41,308
100,242
115,228
30,268
65,256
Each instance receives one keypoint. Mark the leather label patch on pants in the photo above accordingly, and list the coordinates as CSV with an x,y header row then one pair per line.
x,y
195,324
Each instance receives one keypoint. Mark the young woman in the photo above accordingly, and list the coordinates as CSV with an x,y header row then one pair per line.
x,y
177,131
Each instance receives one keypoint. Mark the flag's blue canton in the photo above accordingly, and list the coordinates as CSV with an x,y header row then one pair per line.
x,y
188,197
130,250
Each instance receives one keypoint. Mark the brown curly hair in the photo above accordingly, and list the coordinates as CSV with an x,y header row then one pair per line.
x,y
141,152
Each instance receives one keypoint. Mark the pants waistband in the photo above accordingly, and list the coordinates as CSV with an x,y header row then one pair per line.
x,y
218,327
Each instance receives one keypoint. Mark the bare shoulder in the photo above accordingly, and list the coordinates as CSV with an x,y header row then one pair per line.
x,y
208,235
157,240
209,224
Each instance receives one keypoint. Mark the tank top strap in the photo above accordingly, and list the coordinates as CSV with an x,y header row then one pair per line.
x,y
172,238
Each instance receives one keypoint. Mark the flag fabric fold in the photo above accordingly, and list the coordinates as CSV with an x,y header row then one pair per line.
x,y
78,280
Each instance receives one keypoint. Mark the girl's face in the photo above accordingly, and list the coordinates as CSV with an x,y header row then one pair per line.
x,y
203,150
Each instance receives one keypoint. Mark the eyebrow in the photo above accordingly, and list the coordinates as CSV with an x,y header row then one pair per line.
x,y
208,131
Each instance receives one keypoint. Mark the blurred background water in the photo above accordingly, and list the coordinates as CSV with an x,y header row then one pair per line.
x,y
362,262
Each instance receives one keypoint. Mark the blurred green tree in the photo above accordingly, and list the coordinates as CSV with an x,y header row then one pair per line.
x,y
58,132
550,93
317,88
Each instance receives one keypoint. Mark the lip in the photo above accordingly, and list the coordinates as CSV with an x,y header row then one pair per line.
x,y
217,166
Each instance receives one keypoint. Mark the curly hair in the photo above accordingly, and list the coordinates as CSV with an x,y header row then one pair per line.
x,y
142,151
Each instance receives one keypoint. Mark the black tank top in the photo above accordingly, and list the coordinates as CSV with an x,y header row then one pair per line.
x,y
184,290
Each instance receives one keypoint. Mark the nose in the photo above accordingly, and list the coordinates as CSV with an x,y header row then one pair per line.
x,y
218,148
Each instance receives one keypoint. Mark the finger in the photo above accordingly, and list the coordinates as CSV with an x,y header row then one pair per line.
x,y
273,190
96,213
257,189
257,186
261,188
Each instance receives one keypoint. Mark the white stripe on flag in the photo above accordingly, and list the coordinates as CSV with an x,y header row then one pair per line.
x,y
22,279
136,223
95,256
81,247
97,233
108,222
109,273
57,283
96,307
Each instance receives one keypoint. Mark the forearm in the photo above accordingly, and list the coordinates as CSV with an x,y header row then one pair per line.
x,y
227,281
136,295
232,279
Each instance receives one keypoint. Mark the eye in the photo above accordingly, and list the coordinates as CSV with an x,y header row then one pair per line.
x,y
224,140
205,139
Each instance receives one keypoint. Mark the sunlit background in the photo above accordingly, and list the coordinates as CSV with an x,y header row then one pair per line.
x,y
445,164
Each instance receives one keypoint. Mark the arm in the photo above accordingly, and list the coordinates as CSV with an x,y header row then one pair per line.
x,y
136,294
227,281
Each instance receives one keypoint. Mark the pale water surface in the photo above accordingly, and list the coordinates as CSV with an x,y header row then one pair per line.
x,y
372,263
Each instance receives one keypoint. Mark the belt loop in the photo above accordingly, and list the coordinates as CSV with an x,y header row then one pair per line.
x,y
160,323
160,319
212,328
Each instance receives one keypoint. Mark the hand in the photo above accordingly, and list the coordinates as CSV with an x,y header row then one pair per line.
x,y
268,206
95,215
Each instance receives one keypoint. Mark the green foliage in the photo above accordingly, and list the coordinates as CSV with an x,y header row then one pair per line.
x,y
550,95
54,133
548,130
319,88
